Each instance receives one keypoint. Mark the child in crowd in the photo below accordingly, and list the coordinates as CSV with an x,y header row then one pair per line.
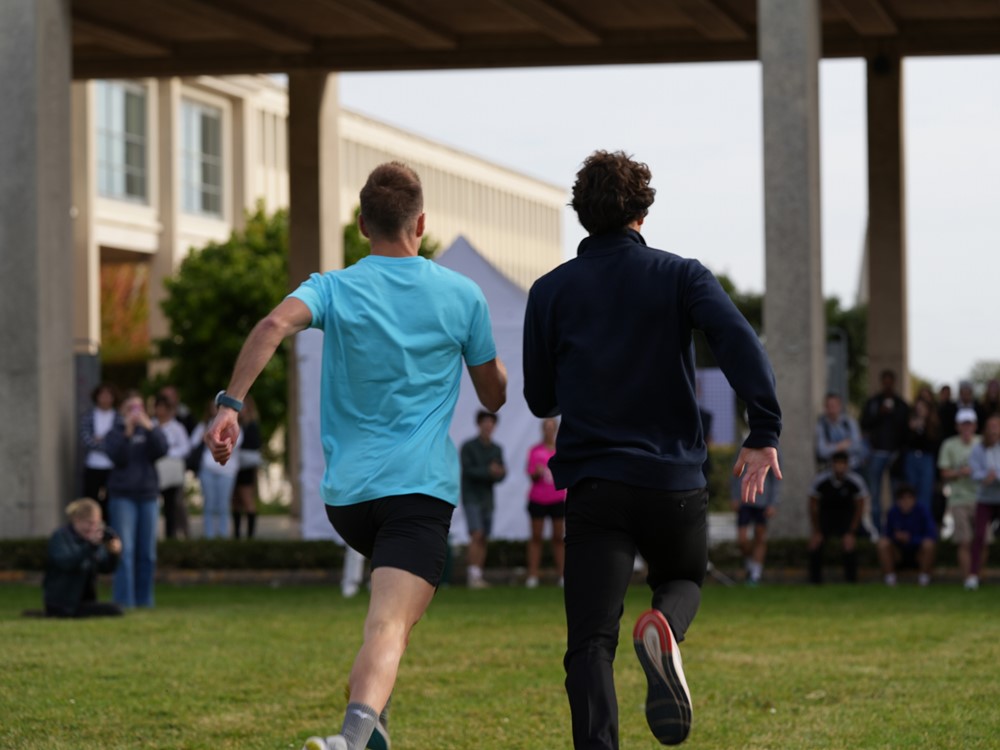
x,y
910,538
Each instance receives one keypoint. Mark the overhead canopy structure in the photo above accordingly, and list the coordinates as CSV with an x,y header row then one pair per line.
x,y
114,38
44,44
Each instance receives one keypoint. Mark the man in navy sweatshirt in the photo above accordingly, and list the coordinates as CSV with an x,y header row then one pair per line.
x,y
608,344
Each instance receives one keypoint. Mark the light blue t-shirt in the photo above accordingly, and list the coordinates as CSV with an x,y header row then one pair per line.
x,y
395,333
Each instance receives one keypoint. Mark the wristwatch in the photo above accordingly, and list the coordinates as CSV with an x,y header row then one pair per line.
x,y
222,399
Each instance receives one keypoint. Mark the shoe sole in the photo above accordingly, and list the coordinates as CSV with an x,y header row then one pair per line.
x,y
668,700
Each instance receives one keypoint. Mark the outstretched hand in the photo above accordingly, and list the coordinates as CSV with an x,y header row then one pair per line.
x,y
221,435
753,464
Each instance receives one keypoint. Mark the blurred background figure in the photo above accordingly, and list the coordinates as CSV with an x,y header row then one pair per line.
x,y
985,463
836,503
170,468
923,438
754,516
217,481
79,551
482,467
838,431
953,461
910,538
134,445
354,572
95,424
545,501
244,502
884,422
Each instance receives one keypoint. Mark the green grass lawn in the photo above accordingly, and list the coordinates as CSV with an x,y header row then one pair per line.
x,y
258,667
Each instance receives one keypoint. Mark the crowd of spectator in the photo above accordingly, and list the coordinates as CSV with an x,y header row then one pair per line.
x,y
137,460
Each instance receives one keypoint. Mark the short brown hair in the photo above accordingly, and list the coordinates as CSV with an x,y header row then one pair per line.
x,y
391,200
611,191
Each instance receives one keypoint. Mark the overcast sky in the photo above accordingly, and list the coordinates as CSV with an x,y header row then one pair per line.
x,y
699,129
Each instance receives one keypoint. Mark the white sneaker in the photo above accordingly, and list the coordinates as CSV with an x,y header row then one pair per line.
x,y
668,700
972,583
890,579
924,579
315,743
336,742
531,583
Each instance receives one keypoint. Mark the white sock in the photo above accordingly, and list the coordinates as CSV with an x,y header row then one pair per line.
x,y
475,573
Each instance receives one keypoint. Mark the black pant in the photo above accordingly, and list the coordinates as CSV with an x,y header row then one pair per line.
x,y
833,526
171,497
606,524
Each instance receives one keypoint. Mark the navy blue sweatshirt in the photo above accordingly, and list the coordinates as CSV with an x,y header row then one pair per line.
x,y
134,474
608,344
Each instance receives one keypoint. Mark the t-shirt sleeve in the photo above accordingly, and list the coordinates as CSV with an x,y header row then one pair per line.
x,y
314,294
479,346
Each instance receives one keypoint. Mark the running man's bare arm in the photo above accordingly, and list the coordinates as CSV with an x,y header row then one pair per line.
x,y
288,318
490,382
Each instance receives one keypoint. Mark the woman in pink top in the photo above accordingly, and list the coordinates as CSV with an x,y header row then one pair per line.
x,y
544,501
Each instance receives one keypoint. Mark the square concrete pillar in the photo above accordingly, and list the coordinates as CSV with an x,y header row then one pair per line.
x,y
165,149
888,347
316,241
37,441
794,324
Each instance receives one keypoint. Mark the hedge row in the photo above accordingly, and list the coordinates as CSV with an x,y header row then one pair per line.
x,y
232,554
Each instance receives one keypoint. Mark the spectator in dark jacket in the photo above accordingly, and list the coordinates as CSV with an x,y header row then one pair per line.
x,y
79,551
133,445
884,423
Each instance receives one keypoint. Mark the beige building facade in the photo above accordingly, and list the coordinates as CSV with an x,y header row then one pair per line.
x,y
161,166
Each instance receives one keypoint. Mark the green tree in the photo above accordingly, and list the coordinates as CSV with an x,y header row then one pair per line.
x,y
984,371
852,321
217,295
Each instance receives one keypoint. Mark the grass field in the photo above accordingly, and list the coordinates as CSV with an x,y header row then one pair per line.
x,y
258,667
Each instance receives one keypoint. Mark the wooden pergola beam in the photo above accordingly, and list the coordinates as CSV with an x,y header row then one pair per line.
x,y
416,32
712,21
263,32
553,22
867,17
118,38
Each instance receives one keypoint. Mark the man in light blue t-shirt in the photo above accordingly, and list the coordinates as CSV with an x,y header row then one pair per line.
x,y
397,328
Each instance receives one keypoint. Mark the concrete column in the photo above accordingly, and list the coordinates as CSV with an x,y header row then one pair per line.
x,y
887,331
315,234
793,304
166,150
316,242
37,441
86,253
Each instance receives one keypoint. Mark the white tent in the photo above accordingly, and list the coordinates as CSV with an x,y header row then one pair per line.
x,y
517,430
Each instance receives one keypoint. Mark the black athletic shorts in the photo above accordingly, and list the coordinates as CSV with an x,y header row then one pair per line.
x,y
546,510
409,532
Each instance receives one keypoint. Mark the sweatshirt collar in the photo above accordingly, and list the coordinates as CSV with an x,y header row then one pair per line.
x,y
610,242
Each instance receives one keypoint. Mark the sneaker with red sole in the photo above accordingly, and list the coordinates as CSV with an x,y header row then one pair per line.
x,y
668,700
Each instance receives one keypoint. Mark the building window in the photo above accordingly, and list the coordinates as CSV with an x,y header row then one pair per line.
x,y
201,154
121,141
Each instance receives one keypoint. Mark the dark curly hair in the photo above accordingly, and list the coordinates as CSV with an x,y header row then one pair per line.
x,y
611,191
391,200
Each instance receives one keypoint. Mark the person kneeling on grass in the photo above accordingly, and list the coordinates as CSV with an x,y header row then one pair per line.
x,y
910,537
79,551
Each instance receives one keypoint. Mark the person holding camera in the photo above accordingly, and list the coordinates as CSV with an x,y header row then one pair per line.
x,y
134,445
79,551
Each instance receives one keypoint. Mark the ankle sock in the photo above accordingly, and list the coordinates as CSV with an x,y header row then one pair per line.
x,y
359,722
